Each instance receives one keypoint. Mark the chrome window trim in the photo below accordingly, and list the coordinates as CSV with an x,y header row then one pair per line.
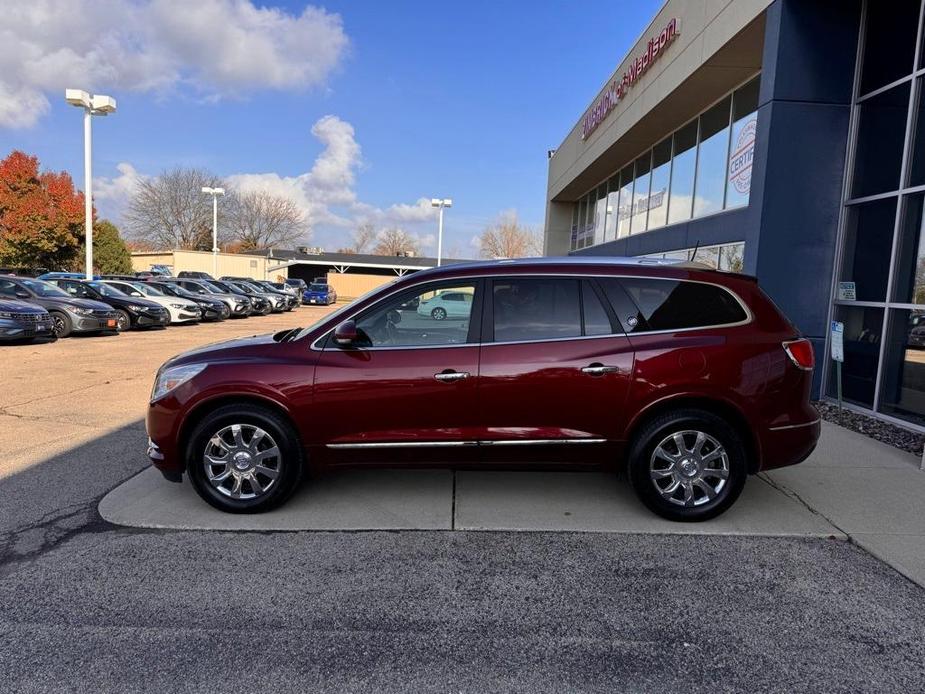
x,y
454,444
749,316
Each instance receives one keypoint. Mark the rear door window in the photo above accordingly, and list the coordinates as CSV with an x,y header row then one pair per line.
x,y
661,304
526,310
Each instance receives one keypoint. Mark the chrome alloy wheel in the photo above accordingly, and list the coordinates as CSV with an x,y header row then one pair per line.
x,y
242,461
689,468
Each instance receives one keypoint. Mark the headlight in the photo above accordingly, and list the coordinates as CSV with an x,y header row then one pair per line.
x,y
5,314
132,307
178,305
173,376
82,311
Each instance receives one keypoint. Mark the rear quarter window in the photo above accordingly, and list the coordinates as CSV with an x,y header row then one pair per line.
x,y
677,304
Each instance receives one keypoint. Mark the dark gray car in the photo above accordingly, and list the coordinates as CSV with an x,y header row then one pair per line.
x,y
68,314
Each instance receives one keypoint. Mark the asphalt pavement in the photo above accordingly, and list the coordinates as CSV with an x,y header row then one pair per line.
x,y
94,607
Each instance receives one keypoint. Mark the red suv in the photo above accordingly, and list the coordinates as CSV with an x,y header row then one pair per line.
x,y
690,378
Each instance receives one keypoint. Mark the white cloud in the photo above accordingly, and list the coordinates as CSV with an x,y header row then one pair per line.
x,y
216,48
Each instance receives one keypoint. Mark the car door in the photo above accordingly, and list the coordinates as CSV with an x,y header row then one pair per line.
x,y
406,391
555,369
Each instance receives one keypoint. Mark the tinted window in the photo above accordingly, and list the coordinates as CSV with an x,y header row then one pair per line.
x,y
421,317
596,320
673,305
536,309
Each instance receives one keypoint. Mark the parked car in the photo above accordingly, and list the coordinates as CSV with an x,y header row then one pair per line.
x,y
64,276
260,304
290,293
299,285
181,310
691,379
193,274
447,304
272,294
239,305
213,308
68,315
24,321
131,311
318,293
277,302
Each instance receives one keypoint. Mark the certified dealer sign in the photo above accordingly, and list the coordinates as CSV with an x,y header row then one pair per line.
x,y
618,89
740,159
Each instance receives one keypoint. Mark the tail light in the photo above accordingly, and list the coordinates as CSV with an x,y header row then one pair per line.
x,y
800,353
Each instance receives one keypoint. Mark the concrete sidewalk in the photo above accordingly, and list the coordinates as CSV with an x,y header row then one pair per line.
x,y
851,487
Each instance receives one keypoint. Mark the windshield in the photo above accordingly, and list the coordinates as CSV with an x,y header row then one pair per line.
x,y
106,289
212,288
42,288
319,288
146,289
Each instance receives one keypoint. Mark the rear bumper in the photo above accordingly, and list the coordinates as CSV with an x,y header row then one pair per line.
x,y
789,444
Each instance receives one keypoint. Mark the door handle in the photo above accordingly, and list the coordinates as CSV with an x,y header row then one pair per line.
x,y
600,369
450,376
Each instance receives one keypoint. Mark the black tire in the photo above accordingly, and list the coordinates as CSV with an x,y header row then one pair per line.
x,y
123,321
687,422
61,324
438,313
289,465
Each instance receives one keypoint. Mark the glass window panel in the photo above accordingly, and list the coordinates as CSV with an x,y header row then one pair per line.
x,y
589,221
902,393
889,42
433,316
682,173
742,144
868,242
573,237
641,193
600,213
658,190
673,305
626,202
708,256
917,170
732,257
536,309
711,162
879,147
909,286
863,327
613,199
596,320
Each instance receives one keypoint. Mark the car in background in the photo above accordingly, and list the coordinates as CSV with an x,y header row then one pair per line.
x,y
68,314
446,304
213,308
65,276
20,320
239,305
291,293
260,304
299,285
318,293
276,302
132,311
181,310
194,274
267,290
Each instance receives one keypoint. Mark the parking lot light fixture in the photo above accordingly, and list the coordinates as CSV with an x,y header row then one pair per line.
x,y
214,192
93,105
441,203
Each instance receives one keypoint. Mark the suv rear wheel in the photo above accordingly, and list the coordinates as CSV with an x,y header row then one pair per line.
x,y
244,459
688,465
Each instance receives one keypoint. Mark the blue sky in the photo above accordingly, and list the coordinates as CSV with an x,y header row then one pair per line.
x,y
429,99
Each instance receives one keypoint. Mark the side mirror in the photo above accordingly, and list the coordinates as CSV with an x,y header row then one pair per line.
x,y
346,333
23,294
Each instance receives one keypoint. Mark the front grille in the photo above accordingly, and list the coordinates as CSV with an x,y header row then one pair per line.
x,y
30,317
100,313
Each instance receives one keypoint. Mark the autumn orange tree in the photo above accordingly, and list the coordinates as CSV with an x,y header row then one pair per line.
x,y
41,215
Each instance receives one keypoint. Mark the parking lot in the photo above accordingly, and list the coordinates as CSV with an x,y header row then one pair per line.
x,y
174,606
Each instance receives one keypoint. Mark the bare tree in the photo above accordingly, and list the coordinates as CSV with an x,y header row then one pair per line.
x,y
170,210
396,242
260,219
363,237
508,239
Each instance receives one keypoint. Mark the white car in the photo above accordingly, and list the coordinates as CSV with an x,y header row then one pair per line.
x,y
181,310
447,304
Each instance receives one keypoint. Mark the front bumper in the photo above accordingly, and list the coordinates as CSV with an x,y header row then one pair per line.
x,y
185,315
149,319
11,329
95,322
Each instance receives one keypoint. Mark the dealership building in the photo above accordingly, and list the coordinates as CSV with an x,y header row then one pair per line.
x,y
784,139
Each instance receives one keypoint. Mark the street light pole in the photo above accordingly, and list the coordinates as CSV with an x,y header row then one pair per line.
x,y
440,203
93,105
214,192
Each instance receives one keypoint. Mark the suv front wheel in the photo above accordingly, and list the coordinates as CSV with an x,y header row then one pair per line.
x,y
688,465
244,459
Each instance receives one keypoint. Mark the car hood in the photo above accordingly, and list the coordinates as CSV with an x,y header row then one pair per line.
x,y
72,302
220,351
20,307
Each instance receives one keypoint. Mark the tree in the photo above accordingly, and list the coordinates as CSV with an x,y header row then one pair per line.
x,y
41,215
171,211
110,254
508,239
396,242
260,219
363,236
